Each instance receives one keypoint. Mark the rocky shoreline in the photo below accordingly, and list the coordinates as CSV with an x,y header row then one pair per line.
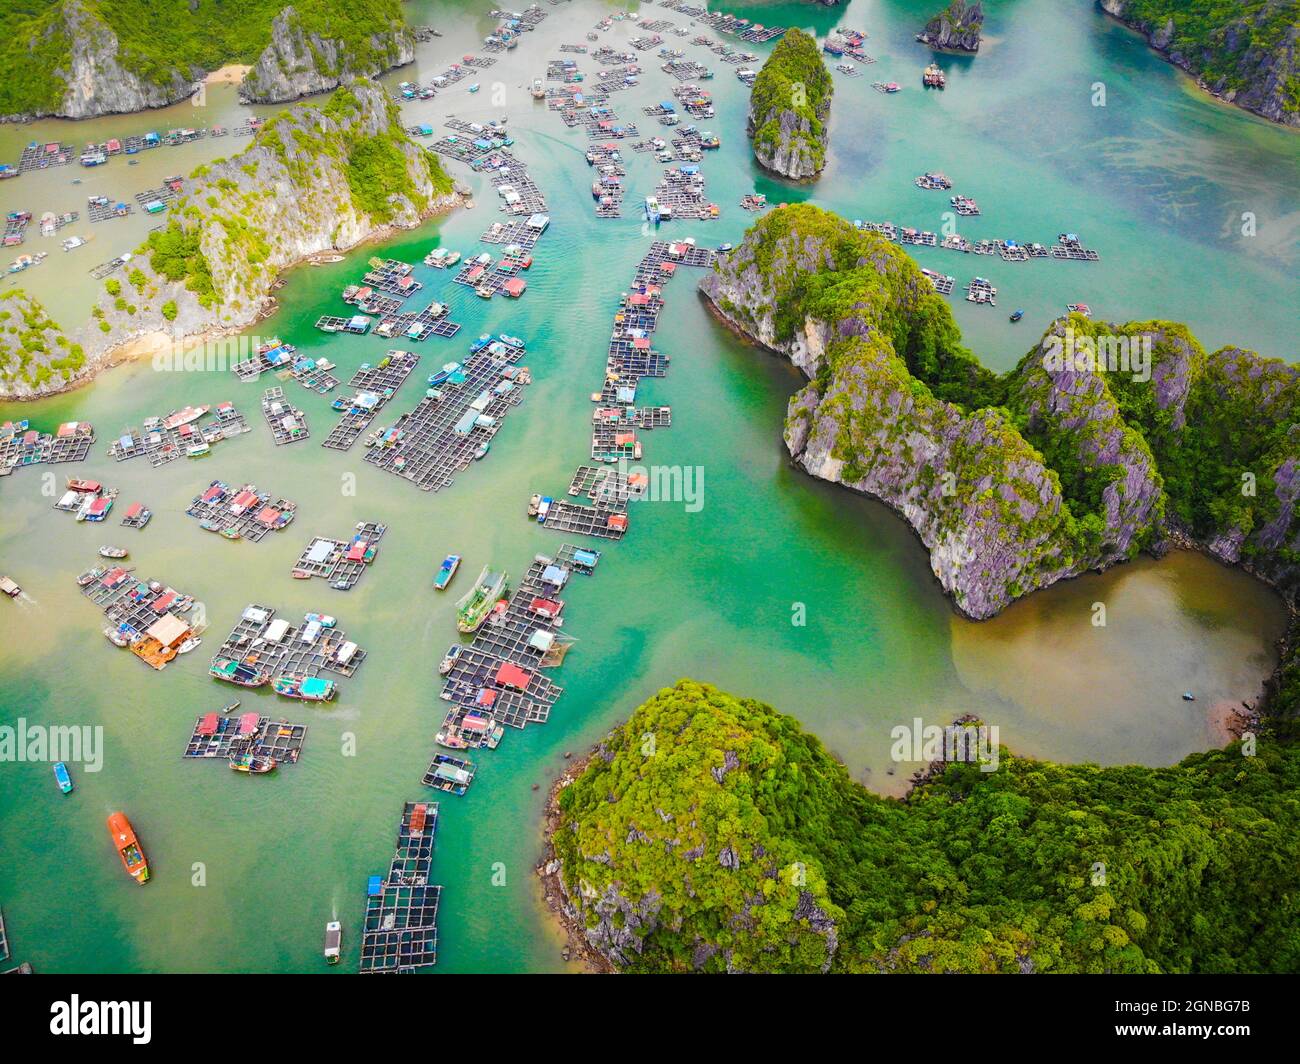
x,y
554,895
244,223
1267,73
956,29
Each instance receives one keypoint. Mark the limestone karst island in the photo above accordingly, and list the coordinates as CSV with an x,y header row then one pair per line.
x,y
800,487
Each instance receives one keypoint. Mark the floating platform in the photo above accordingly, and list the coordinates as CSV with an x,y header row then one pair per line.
x,y
218,736
400,932
341,563
288,423
262,647
167,437
22,446
375,386
241,513
453,422
148,617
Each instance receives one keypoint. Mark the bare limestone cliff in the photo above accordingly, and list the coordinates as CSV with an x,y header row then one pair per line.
x,y
318,177
298,62
957,28
1066,464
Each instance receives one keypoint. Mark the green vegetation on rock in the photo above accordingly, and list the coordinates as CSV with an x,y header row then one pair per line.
x,y
790,106
711,833
1243,50
173,40
1035,474
34,352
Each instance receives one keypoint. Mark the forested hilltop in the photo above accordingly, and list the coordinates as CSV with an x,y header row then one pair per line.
x,y
1106,439
711,833
1246,51
78,58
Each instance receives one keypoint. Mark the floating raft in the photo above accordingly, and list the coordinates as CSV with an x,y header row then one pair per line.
x,y
148,617
631,356
497,681
261,647
375,386
341,562
217,736
241,513
455,420
288,423
281,358
453,775
21,445
400,932
168,437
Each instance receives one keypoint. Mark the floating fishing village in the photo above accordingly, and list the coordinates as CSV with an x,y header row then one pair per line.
x,y
420,356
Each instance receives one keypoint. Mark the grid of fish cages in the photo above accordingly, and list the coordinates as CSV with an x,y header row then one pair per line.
x,y
240,513
262,647
217,736
375,386
341,563
288,424
21,446
446,431
400,931
167,437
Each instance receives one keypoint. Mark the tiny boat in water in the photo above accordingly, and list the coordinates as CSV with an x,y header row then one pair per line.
x,y
307,688
8,587
61,774
533,504
256,764
1017,315
1188,696
189,644
474,87
112,552
333,941
90,576
230,708
128,847
117,637
449,659
446,571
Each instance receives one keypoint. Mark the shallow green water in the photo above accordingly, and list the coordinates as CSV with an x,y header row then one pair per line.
x,y
1154,181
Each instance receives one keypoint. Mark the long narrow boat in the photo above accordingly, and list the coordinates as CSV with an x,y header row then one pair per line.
x,y
446,571
63,777
128,847
333,941
308,688
473,608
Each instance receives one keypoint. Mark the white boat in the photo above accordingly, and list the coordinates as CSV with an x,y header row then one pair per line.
x,y
188,645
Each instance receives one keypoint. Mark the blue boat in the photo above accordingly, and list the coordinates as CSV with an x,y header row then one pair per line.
x,y
474,87
61,774
446,571
1017,315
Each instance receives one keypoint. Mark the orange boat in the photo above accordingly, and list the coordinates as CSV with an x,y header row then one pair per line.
x,y
128,847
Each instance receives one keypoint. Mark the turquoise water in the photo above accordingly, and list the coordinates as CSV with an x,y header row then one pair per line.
x,y
1154,181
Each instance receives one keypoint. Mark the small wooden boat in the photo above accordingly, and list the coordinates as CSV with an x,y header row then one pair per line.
x,y
256,764
449,659
117,637
64,779
90,576
112,552
307,688
446,571
128,847
333,941
230,708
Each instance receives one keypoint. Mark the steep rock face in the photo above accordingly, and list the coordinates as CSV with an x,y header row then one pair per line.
x,y
976,492
317,178
1248,54
1104,441
298,63
789,109
96,80
955,29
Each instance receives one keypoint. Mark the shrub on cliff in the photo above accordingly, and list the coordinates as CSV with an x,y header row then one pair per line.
x,y
793,89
